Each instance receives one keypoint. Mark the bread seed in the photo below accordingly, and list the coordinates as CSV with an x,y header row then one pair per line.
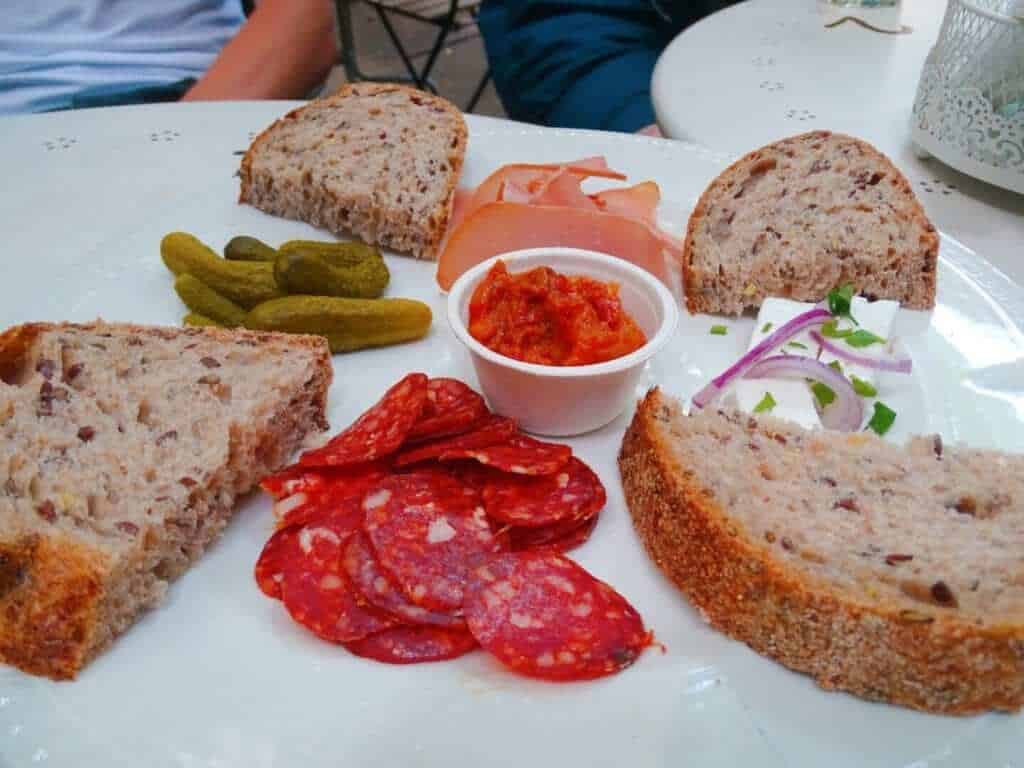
x,y
849,504
73,372
897,558
916,617
85,434
45,367
127,527
210,362
171,434
943,594
47,511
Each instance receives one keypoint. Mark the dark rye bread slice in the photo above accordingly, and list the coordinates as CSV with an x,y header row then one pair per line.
x,y
802,216
123,451
893,572
375,160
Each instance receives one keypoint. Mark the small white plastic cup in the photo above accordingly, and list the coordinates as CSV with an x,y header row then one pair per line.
x,y
558,400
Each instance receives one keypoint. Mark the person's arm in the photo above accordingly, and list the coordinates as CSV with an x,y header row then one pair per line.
x,y
581,64
284,50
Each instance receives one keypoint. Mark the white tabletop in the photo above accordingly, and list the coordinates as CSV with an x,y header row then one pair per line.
x,y
765,69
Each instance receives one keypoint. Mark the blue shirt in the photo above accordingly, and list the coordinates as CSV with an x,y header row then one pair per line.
x,y
55,55
582,63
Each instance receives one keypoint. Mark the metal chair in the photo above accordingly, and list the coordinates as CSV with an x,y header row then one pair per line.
x,y
449,16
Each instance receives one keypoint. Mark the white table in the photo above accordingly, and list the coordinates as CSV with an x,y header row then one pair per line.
x,y
765,69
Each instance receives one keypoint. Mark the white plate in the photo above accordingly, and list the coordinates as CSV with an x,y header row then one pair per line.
x,y
219,676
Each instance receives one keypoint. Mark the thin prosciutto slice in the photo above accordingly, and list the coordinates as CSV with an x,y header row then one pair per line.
x,y
499,227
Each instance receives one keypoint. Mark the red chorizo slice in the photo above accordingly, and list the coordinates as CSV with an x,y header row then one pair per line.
x,y
559,537
377,433
492,430
280,552
411,645
571,494
520,455
451,409
543,615
316,591
426,529
376,588
340,493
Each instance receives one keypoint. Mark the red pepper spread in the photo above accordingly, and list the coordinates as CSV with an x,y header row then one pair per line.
x,y
541,316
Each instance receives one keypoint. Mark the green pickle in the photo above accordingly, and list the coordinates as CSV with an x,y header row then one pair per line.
x,y
348,324
246,283
245,248
349,254
303,272
196,320
205,301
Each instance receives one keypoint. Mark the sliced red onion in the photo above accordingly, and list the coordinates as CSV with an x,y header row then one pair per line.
x,y
787,331
844,414
843,352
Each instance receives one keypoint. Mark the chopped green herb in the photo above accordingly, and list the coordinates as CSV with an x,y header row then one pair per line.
x,y
882,418
836,365
719,330
863,388
766,404
831,330
861,338
767,327
797,345
823,393
839,301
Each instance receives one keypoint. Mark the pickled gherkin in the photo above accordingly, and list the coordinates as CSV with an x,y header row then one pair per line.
x,y
349,254
199,321
304,272
245,283
205,301
245,248
348,324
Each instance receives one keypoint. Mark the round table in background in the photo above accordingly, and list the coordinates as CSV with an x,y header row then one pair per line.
x,y
765,69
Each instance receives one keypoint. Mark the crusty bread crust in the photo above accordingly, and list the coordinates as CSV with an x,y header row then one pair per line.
x,y
436,223
921,294
59,604
933,662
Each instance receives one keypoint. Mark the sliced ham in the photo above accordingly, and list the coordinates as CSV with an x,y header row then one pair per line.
x,y
499,227
637,202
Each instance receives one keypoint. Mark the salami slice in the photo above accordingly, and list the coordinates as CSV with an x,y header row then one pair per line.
x,y
339,494
411,645
490,431
375,587
316,591
559,537
571,494
520,455
378,432
543,615
451,409
292,480
278,553
426,529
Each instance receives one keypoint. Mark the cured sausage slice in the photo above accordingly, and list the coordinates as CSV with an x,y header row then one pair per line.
x,y
559,537
520,455
339,494
323,602
280,552
316,591
573,493
426,528
452,408
490,431
378,432
376,588
543,615
411,645
292,480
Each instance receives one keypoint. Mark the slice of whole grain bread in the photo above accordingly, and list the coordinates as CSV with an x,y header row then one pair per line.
x,y
802,216
893,572
123,452
379,161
